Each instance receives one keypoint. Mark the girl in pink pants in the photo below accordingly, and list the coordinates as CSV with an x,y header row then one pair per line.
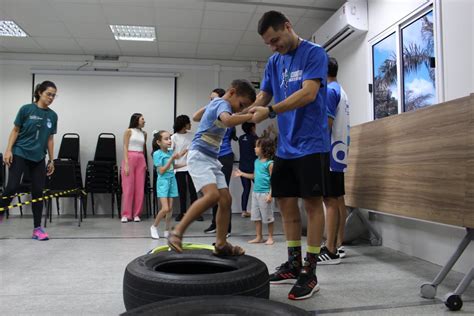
x,y
133,169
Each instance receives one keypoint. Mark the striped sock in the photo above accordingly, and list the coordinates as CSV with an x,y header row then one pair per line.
x,y
312,257
294,254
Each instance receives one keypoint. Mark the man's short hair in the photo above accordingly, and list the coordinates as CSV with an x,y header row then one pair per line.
x,y
332,67
273,19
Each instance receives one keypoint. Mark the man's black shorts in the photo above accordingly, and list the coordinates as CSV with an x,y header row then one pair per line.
x,y
335,185
303,177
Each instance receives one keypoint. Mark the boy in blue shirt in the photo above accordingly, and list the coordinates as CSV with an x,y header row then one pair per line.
x,y
205,168
295,76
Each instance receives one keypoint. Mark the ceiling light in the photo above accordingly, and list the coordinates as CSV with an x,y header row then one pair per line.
x,y
10,28
133,33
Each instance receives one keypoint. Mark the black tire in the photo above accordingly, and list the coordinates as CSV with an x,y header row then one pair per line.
x,y
218,305
165,275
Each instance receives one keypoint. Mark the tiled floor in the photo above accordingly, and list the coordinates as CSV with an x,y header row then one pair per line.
x,y
80,270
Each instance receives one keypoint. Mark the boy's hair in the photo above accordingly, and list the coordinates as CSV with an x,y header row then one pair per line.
x,y
180,122
247,127
134,120
220,92
273,19
332,67
157,138
267,146
244,88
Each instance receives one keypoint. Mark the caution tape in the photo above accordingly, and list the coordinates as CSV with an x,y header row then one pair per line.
x,y
14,196
44,198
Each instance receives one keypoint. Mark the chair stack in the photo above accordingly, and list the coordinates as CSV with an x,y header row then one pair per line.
x,y
102,172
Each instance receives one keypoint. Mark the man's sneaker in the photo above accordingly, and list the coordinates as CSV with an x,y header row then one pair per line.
x,y
305,286
179,217
210,230
284,274
154,232
124,219
136,219
327,257
341,252
39,234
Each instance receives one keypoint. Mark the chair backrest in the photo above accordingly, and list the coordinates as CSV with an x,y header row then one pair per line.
x,y
64,176
106,149
69,148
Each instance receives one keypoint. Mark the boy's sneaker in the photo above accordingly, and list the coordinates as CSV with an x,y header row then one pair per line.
x,y
284,274
341,252
124,219
305,286
154,232
327,257
39,234
210,230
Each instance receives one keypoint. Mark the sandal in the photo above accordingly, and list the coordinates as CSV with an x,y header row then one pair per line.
x,y
175,241
228,250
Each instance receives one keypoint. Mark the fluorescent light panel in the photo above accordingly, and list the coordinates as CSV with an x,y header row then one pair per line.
x,y
133,33
10,28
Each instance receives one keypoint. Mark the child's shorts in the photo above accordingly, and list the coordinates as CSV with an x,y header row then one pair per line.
x,y
261,210
166,187
205,170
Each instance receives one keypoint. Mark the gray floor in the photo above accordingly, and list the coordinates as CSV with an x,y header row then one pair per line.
x,y
79,271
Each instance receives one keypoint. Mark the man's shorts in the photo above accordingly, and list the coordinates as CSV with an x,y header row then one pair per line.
x,y
261,210
335,185
205,170
302,177
166,187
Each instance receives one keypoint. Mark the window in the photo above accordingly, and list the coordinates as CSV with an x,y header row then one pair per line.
x,y
385,82
403,66
419,89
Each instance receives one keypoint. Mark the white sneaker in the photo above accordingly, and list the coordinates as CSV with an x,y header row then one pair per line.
x,y
124,219
166,234
136,219
154,232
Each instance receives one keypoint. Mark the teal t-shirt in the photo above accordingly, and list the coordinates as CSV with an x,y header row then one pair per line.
x,y
160,159
36,125
262,176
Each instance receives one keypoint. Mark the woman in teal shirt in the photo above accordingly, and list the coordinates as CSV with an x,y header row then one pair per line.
x,y
31,137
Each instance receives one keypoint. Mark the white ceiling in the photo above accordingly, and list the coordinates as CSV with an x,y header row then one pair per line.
x,y
206,29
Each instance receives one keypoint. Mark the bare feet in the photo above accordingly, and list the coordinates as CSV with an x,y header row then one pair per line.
x,y
269,241
256,241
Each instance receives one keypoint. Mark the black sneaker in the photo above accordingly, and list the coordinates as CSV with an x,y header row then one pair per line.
x,y
327,257
305,286
210,230
284,274
341,252
200,218
179,217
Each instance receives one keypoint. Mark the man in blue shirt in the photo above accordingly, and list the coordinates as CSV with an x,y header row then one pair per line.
x,y
295,76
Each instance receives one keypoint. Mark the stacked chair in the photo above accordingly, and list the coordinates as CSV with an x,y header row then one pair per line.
x,y
102,172
67,177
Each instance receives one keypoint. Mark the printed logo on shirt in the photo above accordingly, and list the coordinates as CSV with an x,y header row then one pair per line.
x,y
34,117
296,75
49,123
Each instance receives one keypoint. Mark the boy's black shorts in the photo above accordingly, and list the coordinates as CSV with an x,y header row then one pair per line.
x,y
335,185
303,177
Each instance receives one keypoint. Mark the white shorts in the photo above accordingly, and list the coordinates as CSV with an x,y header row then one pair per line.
x,y
205,170
261,210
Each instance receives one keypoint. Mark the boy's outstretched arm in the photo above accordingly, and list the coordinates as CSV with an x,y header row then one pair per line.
x,y
231,120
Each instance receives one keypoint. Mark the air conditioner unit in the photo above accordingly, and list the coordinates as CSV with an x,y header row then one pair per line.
x,y
348,22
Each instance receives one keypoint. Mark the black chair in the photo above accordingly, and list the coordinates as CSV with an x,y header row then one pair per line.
x,y
2,174
64,179
70,150
102,172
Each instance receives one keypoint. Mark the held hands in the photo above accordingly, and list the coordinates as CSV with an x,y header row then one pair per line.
x,y
237,173
8,158
259,113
